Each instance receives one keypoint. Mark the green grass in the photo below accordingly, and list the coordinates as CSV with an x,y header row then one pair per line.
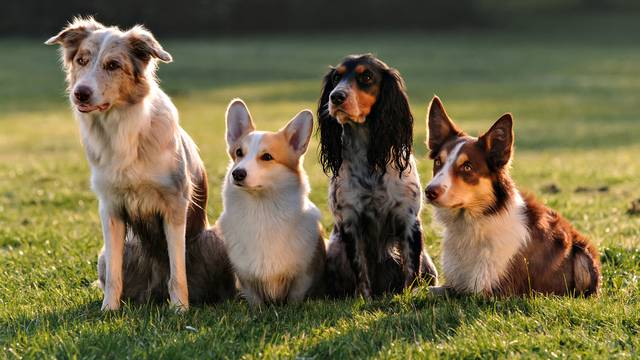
x,y
572,85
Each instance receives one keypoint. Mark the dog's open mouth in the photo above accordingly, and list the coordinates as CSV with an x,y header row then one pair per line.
x,y
86,108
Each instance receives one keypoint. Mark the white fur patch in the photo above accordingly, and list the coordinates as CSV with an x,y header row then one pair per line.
x,y
477,250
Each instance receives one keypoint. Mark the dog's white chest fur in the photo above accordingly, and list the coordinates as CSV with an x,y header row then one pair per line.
x,y
477,251
269,237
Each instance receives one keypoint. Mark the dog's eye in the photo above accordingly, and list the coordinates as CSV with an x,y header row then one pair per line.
x,y
366,77
239,152
437,163
336,77
82,61
466,167
112,66
266,157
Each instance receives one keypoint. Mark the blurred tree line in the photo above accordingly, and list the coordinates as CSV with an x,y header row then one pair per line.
x,y
211,17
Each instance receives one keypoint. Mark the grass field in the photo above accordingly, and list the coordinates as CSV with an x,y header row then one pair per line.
x,y
573,86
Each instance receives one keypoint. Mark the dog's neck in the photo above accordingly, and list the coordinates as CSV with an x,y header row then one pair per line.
x,y
355,142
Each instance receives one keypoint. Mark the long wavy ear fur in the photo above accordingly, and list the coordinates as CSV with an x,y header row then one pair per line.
x,y
330,131
390,126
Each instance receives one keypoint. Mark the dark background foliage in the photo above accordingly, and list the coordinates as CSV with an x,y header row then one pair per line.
x,y
213,17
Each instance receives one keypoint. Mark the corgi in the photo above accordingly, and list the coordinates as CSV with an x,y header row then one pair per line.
x,y
497,241
270,227
145,169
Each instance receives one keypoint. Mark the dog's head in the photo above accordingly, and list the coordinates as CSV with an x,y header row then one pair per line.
x,y
107,67
469,173
363,89
265,160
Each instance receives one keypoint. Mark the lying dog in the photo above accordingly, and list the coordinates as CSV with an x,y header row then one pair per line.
x,y
146,171
366,136
271,228
496,241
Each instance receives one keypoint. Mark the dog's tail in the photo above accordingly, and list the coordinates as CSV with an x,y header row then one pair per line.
x,y
586,271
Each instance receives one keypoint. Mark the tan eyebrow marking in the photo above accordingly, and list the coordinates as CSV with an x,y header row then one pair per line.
x,y
463,158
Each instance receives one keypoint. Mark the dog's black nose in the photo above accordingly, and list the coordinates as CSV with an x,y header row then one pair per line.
x,y
239,174
83,93
433,192
338,97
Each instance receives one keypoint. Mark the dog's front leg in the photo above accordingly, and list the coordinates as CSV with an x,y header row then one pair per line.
x,y
411,252
175,232
357,254
113,232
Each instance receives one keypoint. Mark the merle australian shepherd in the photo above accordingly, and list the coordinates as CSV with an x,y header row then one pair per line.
x,y
498,242
145,170
366,135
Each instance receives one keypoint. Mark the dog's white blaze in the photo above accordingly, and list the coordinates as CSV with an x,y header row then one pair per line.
x,y
478,250
443,177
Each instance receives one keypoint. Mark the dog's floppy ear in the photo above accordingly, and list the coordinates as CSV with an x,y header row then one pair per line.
x,y
330,130
239,121
390,125
71,36
440,126
298,131
498,142
144,46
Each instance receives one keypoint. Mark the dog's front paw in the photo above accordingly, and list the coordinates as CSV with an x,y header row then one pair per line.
x,y
179,296
364,290
110,304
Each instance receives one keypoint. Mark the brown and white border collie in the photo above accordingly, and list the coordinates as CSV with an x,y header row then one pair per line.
x,y
146,171
498,242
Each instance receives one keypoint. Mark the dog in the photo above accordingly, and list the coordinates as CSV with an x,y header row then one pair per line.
x,y
270,227
366,135
146,171
498,242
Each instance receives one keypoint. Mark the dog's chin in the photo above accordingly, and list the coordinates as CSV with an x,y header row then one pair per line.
x,y
248,188
344,117
86,108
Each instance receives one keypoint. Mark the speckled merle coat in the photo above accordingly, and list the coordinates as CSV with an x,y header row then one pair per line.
x,y
376,245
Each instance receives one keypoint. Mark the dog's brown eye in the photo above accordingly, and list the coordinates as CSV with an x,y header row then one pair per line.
x,y
82,61
239,152
437,162
366,77
266,157
466,167
112,65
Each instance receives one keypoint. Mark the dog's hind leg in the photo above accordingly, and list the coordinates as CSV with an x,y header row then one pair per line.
x,y
175,232
113,230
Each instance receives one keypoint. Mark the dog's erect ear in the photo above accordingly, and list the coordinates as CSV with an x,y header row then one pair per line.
x,y
239,121
71,36
330,130
440,126
498,142
298,131
144,46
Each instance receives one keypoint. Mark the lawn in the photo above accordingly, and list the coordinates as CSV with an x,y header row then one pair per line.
x,y
572,85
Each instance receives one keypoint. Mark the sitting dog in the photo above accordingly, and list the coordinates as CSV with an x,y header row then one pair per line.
x,y
270,227
366,135
146,171
498,242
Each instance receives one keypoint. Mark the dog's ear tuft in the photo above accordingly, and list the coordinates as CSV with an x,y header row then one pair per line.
x,y
239,121
298,131
72,35
498,142
144,45
330,130
441,127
